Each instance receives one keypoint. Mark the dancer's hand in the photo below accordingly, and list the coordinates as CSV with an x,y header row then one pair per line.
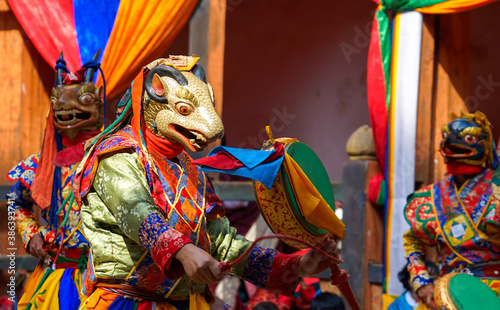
x,y
200,266
35,247
313,262
426,294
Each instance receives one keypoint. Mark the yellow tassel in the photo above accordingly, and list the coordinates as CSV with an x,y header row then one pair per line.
x,y
196,301
280,140
269,133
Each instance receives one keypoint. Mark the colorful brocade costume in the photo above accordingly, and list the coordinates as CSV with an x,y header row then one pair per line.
x,y
44,181
139,209
462,222
459,215
74,247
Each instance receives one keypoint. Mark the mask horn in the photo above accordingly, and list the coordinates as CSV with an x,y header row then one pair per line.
x,y
89,75
199,73
60,61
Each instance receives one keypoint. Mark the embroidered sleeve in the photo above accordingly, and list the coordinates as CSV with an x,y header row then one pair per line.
x,y
48,235
420,216
415,254
122,186
265,268
21,203
19,199
490,221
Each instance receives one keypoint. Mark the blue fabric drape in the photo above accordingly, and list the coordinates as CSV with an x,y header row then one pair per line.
x,y
94,22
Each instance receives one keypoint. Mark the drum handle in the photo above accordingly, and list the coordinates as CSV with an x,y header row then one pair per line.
x,y
338,277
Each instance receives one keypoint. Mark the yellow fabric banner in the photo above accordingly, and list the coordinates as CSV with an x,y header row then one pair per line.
x,y
454,6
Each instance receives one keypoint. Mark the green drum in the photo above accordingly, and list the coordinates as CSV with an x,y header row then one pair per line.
x,y
457,291
281,205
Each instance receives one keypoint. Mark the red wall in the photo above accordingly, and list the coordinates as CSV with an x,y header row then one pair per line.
x,y
485,64
299,66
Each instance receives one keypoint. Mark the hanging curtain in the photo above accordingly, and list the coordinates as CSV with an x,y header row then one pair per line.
x,y
142,32
129,32
453,6
378,71
50,26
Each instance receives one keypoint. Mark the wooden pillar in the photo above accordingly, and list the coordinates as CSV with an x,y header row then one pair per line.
x,y
207,30
444,86
425,138
207,33
25,86
362,249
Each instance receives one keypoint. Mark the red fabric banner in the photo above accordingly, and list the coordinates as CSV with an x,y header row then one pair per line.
x,y
50,25
376,90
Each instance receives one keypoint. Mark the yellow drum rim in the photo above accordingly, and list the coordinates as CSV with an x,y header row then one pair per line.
x,y
278,213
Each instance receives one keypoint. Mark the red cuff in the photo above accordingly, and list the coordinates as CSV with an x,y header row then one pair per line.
x,y
283,277
285,302
163,252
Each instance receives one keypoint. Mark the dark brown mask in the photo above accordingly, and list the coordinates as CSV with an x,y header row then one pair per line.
x,y
77,107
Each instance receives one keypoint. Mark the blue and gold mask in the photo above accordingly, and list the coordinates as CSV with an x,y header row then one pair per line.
x,y
468,139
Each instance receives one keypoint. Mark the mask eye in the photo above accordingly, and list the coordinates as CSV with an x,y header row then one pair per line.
x,y
86,99
470,139
183,108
